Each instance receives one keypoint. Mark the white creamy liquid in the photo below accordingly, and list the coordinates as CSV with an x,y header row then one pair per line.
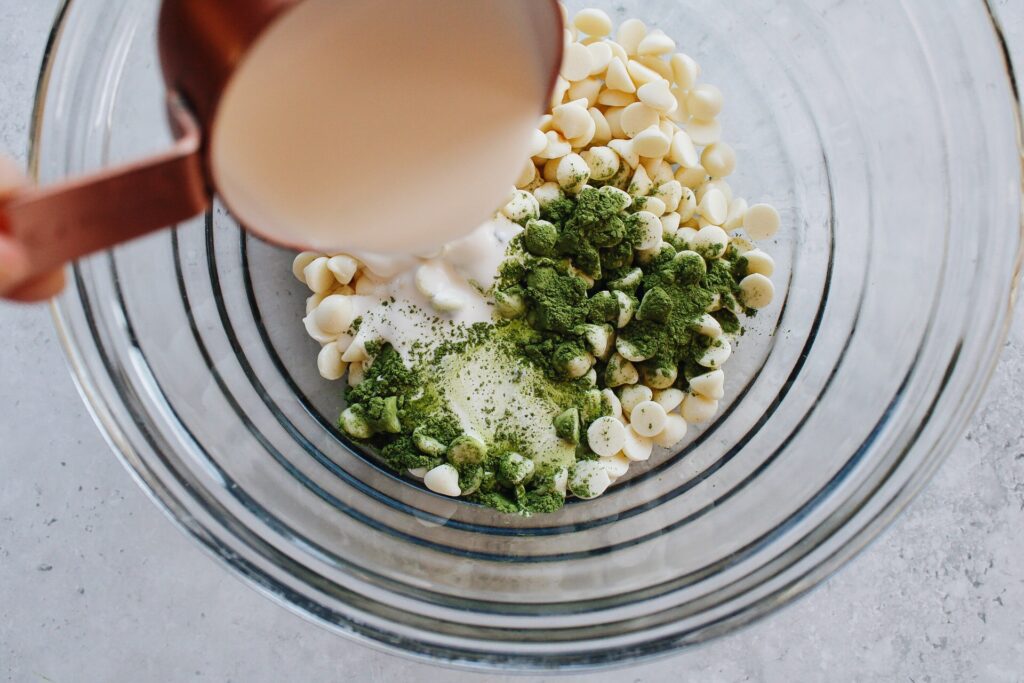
x,y
387,127
399,313
487,392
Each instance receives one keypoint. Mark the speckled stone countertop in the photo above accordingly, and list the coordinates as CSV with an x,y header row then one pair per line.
x,y
95,585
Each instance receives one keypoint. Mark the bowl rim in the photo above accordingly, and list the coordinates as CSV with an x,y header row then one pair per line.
x,y
265,584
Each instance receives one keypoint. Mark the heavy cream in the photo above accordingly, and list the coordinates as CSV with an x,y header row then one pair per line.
x,y
384,127
419,300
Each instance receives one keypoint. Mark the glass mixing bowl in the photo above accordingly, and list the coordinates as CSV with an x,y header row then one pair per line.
x,y
887,134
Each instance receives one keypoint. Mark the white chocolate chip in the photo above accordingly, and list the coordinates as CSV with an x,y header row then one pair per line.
x,y
638,117
656,43
329,362
714,207
527,176
651,230
615,98
682,151
606,436
621,195
659,170
637,448
588,134
737,210
671,192
657,96
576,63
589,479
650,142
558,92
626,310
618,78
335,314
593,22
616,465
313,301
674,432
356,374
429,278
571,119
557,146
741,244
560,481
573,173
343,267
709,385
548,193
448,301
318,276
579,366
443,479
756,291
717,354
602,131
632,395
356,351
522,207
704,132
691,177
687,205
367,286
631,32
670,224
719,184
761,221
719,160
629,351
647,418
655,206
587,89
669,399
550,171
613,115
614,402
538,143
621,372
640,185
300,262
704,102
711,242
627,152
697,409
600,57
641,74
759,262
679,115
685,71
709,327
602,161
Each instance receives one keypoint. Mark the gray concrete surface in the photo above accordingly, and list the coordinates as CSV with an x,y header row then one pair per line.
x,y
95,585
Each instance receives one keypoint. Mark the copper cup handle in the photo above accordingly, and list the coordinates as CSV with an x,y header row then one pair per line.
x,y
63,222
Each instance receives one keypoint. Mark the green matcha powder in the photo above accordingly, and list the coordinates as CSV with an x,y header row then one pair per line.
x,y
548,309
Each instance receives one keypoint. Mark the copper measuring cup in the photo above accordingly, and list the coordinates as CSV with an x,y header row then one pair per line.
x,y
202,43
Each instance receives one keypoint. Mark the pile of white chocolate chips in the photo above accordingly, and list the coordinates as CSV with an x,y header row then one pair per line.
x,y
628,119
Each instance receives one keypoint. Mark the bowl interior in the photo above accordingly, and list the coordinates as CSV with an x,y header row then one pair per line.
x,y
893,284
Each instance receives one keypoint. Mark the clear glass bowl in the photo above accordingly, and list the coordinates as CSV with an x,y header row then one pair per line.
x,y
887,134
